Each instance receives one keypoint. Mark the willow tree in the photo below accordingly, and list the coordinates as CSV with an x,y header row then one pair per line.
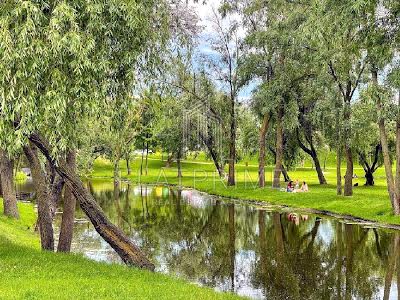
x,y
332,35
272,57
59,62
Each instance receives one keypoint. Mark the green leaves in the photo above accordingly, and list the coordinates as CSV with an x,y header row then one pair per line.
x,y
60,61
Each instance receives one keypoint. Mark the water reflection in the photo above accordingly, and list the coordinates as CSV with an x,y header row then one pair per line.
x,y
239,248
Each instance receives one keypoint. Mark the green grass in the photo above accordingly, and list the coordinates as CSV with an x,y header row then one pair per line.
x,y
371,203
28,273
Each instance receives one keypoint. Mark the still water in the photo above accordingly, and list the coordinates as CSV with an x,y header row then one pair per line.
x,y
231,246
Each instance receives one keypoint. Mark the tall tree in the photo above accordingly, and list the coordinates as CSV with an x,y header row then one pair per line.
x,y
224,67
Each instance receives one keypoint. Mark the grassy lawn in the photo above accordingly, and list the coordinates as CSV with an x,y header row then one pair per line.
x,y
28,273
370,203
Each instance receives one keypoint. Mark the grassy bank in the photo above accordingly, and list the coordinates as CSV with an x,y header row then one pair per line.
x,y
28,273
370,203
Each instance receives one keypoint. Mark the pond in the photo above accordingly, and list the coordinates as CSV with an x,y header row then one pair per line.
x,y
233,246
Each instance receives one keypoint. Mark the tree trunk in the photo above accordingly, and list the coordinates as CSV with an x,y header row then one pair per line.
x,y
178,162
261,159
169,160
320,173
338,155
314,155
7,186
232,146
279,149
386,154
68,216
141,163
285,174
348,181
369,178
397,179
129,253
147,156
128,165
116,173
45,219
208,141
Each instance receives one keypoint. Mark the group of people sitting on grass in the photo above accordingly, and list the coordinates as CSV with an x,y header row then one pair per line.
x,y
295,187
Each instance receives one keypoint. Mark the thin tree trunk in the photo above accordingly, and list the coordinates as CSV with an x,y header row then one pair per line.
x,y
261,159
68,216
386,154
285,174
338,156
7,186
232,146
178,162
397,180
128,165
348,181
147,156
45,219
124,247
117,178
279,149
141,163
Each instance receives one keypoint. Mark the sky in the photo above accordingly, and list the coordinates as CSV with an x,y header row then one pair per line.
x,y
205,14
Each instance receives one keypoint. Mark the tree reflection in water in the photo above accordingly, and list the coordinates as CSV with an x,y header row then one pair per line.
x,y
253,252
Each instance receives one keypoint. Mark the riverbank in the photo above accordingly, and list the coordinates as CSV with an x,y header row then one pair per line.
x,y
368,203
28,273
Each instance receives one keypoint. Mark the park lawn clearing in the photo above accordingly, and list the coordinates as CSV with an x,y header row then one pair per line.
x,y
369,203
29,273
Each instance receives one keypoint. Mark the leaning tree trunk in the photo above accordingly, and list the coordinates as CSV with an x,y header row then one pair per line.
x,y
124,247
385,152
209,142
314,155
261,159
285,174
320,173
388,167
279,149
45,219
7,186
68,216
348,180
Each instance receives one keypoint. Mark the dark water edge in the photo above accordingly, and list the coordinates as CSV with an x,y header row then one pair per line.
x,y
262,253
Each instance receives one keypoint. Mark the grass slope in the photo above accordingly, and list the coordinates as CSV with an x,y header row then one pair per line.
x,y
370,203
28,273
